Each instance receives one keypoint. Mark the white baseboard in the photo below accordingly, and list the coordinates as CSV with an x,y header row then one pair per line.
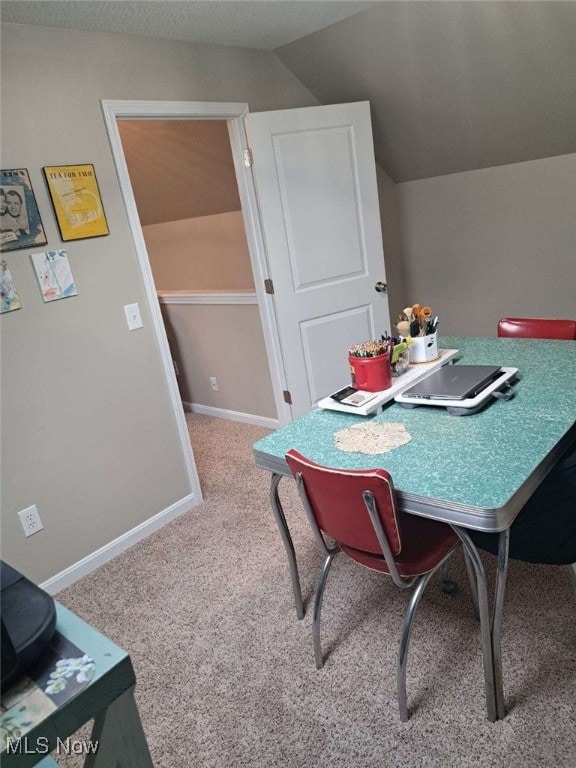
x,y
89,563
222,413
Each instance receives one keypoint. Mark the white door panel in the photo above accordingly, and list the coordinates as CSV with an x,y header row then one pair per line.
x,y
316,185
318,333
309,198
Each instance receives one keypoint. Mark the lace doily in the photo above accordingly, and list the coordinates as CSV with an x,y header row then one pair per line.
x,y
372,438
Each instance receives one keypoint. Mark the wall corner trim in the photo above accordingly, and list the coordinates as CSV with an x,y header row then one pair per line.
x,y
109,551
207,297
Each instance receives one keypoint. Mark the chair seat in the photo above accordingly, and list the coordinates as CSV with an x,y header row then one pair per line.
x,y
424,543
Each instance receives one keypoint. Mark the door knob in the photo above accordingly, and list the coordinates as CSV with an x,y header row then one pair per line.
x,y
381,287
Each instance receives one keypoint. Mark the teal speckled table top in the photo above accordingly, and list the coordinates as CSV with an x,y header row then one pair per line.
x,y
474,470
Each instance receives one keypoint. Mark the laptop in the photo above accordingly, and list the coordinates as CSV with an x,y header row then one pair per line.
x,y
455,382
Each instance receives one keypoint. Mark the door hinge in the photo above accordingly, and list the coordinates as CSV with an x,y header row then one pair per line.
x,y
269,285
287,397
248,158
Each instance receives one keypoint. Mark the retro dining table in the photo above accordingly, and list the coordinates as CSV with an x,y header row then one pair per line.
x,y
473,472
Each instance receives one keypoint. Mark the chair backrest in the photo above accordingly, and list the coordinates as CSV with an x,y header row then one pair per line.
x,y
537,328
336,501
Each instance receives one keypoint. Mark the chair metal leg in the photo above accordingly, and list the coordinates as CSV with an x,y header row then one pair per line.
x,y
318,608
404,643
572,574
447,585
280,518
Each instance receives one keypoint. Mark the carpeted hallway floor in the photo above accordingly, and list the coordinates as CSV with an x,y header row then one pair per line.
x,y
226,674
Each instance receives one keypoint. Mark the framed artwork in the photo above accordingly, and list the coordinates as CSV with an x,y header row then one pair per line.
x,y
20,222
76,201
9,299
54,275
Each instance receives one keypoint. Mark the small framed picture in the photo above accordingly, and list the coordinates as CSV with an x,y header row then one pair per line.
x,y
54,275
76,201
20,222
9,299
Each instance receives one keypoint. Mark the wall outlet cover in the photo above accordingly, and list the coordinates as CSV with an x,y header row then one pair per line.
x,y
30,519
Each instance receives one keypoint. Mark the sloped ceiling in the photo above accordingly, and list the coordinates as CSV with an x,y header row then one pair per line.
x,y
179,169
454,85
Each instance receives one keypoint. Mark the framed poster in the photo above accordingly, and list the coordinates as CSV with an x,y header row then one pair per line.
x,y
20,222
76,201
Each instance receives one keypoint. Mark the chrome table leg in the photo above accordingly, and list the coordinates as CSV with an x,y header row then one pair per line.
x,y
280,518
503,545
484,613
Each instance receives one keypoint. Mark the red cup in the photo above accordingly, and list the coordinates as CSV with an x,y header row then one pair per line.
x,y
372,374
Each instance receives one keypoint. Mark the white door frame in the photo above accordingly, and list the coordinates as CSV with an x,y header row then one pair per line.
x,y
234,114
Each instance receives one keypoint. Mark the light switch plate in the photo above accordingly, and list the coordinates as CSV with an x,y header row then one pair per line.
x,y
132,312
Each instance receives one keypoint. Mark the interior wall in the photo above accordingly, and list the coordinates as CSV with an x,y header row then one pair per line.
x,y
225,341
87,425
485,244
205,253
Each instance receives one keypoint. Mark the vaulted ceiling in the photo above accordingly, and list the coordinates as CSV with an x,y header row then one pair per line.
x,y
454,86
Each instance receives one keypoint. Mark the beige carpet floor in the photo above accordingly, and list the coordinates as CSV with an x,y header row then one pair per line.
x,y
226,674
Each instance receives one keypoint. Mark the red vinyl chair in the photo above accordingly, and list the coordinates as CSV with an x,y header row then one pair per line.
x,y
357,508
537,328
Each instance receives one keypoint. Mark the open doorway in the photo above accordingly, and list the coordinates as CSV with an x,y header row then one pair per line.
x,y
233,114
184,184
316,211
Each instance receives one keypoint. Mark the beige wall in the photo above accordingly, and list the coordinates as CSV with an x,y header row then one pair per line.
x,y
210,254
484,244
206,253
224,341
391,240
87,426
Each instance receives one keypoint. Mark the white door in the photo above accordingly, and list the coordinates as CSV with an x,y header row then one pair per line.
x,y
316,185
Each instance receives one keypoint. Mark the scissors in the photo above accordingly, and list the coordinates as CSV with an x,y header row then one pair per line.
x,y
421,313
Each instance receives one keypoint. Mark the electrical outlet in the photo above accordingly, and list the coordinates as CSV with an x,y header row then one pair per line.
x,y
214,383
30,519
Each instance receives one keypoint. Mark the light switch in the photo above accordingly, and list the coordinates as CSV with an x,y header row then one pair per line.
x,y
133,318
